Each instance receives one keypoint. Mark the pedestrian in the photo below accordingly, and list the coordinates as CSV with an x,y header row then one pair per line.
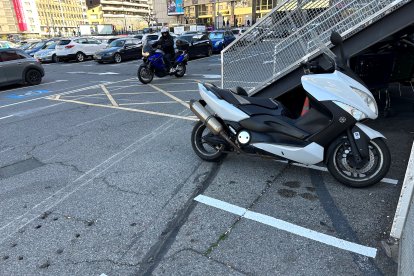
x,y
228,24
224,23
235,23
248,23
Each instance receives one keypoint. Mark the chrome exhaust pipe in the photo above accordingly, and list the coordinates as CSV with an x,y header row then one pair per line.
x,y
211,122
206,117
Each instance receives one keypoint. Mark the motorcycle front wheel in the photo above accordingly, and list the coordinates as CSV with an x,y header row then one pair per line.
x,y
181,68
204,150
145,74
368,172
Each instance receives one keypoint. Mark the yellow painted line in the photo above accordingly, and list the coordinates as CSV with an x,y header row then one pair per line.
x,y
170,95
111,99
169,102
130,109
153,92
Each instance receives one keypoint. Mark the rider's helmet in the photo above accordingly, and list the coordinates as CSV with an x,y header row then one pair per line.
x,y
164,31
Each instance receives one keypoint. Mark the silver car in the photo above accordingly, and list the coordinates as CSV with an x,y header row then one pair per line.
x,y
18,67
47,54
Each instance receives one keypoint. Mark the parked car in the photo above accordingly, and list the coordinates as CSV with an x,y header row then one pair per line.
x,y
39,46
196,45
238,31
78,48
6,44
19,67
47,54
119,50
220,39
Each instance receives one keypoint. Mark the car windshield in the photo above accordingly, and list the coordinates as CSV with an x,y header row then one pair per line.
x,y
117,43
51,46
186,38
152,37
64,42
38,45
216,35
235,31
25,46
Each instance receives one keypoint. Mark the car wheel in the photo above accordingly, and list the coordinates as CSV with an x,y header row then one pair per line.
x,y
54,59
80,57
209,52
33,77
117,58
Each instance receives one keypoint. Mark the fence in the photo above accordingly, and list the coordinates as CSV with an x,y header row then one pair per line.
x,y
403,226
277,44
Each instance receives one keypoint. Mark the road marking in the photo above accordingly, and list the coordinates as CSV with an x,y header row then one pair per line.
x,y
324,169
170,95
113,102
129,109
93,73
25,87
64,93
145,103
1,118
152,92
288,227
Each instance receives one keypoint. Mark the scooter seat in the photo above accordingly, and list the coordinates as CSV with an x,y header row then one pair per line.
x,y
240,100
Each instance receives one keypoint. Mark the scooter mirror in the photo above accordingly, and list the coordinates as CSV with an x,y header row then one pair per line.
x,y
336,38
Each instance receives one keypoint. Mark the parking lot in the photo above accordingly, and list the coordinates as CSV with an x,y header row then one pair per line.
x,y
98,177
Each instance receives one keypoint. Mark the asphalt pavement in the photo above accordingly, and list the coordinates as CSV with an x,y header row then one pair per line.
x,y
98,177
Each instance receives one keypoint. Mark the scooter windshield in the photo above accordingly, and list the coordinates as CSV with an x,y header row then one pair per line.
x,y
318,43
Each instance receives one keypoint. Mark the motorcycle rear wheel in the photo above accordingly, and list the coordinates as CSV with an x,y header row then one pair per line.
x,y
368,173
145,75
181,68
204,150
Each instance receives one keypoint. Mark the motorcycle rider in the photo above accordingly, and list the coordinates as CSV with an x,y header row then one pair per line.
x,y
166,44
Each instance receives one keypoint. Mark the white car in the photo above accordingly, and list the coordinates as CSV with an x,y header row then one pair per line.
x,y
78,48
238,31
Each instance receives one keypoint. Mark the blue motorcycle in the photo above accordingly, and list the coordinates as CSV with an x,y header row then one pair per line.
x,y
153,64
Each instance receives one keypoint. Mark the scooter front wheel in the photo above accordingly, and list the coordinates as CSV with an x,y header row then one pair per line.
x,y
145,74
202,148
368,172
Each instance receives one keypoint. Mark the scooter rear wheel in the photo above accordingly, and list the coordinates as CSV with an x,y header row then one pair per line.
x,y
145,75
181,68
203,149
341,165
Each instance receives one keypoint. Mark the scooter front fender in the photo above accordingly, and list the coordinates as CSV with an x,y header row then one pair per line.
x,y
372,134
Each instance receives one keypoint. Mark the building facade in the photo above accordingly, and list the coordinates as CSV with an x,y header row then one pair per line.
x,y
124,15
217,13
8,21
61,17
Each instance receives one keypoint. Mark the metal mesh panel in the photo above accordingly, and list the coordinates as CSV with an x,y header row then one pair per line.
x,y
277,44
406,256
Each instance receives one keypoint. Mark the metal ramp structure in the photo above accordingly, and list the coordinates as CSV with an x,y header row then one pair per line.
x,y
266,59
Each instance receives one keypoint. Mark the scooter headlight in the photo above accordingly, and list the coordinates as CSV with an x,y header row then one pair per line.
x,y
357,114
369,101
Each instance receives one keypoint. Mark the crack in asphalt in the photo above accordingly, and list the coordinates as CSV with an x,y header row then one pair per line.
x,y
209,258
156,253
117,188
226,234
341,225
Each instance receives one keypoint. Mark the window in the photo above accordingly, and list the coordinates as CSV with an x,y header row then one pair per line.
x,y
9,56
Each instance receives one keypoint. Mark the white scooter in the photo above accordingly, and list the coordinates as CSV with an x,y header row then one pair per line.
x,y
321,124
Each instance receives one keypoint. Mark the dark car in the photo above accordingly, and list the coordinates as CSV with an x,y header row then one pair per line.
x,y
196,45
220,39
119,50
18,67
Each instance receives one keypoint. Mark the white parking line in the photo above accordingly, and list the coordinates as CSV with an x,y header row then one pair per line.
x,y
1,118
171,96
289,227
